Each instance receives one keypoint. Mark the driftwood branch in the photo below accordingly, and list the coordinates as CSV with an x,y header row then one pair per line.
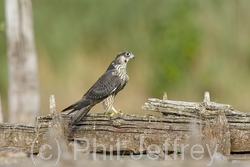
x,y
218,125
219,122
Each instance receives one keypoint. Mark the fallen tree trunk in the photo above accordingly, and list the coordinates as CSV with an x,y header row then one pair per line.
x,y
224,129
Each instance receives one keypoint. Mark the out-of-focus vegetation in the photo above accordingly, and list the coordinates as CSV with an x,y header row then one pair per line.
x,y
181,47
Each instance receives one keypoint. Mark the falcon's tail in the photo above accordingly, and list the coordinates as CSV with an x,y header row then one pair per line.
x,y
83,108
79,115
71,107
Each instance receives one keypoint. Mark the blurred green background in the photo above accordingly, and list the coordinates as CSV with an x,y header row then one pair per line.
x,y
182,47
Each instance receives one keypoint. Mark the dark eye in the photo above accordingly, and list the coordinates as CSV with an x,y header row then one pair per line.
x,y
127,54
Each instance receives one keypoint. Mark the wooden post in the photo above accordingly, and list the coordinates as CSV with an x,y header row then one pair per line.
x,y
23,93
1,114
52,104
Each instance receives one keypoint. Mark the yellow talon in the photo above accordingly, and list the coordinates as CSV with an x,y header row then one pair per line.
x,y
113,112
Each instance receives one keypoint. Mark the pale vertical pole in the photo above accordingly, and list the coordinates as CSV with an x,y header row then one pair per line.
x,y
1,112
23,92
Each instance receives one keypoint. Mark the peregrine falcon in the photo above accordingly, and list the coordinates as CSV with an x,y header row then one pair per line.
x,y
105,88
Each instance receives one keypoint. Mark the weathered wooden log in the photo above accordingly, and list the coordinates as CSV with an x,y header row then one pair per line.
x,y
128,128
218,125
206,113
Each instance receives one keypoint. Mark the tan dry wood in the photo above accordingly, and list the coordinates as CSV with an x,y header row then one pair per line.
x,y
214,123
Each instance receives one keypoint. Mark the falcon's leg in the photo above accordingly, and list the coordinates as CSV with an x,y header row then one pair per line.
x,y
108,106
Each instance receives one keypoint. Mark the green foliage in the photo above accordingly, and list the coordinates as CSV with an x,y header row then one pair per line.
x,y
164,30
184,47
174,45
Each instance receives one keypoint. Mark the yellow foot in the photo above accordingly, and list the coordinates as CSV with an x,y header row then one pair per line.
x,y
113,113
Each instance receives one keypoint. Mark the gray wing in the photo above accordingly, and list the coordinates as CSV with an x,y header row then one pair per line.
x,y
104,86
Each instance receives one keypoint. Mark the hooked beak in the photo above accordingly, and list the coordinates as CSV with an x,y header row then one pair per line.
x,y
131,56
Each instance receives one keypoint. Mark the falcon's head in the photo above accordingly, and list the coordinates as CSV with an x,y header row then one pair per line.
x,y
121,60
124,57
